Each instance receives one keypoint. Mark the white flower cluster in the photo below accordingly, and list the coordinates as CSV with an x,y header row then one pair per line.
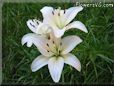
x,y
47,37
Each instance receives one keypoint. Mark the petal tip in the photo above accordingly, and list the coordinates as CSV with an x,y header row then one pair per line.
x,y
22,44
32,68
55,67
29,45
28,21
79,39
56,81
86,31
79,69
81,7
46,8
22,41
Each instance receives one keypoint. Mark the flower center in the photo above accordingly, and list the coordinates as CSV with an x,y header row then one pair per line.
x,y
52,47
59,17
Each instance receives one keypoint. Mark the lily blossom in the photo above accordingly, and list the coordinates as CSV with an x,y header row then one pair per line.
x,y
60,19
55,52
38,27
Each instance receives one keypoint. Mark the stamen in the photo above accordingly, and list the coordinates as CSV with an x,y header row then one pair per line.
x,y
60,43
67,25
64,11
37,22
47,50
47,44
32,25
48,37
58,14
53,12
53,42
59,51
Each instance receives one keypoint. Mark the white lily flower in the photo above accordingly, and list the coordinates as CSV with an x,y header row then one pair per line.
x,y
55,52
38,27
60,20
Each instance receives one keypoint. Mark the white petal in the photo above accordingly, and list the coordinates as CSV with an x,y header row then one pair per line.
x,y
55,66
30,39
46,11
43,29
45,51
32,25
39,41
38,27
39,62
58,32
77,24
55,39
71,13
69,43
48,16
73,61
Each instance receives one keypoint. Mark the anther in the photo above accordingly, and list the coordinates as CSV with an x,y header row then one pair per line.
x,y
60,43
32,25
58,14
52,12
47,44
53,42
47,50
64,11
59,51
37,22
48,37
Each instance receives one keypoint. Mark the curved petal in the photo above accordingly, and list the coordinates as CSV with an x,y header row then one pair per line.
x,y
33,24
73,61
39,62
30,39
55,39
71,13
39,41
46,11
58,32
77,24
48,16
55,66
69,43
43,29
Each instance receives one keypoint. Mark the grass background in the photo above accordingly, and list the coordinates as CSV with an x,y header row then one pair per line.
x,y
96,52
